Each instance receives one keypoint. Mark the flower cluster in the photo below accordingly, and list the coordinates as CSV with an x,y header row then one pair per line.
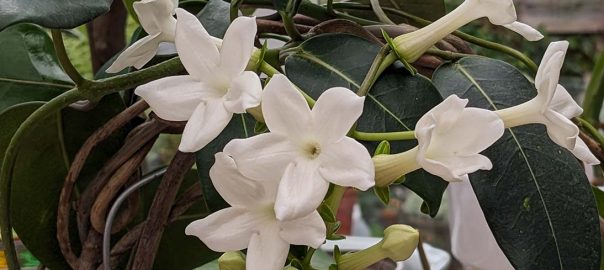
x,y
275,181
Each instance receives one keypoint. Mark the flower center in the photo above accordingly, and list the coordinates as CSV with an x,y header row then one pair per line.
x,y
312,150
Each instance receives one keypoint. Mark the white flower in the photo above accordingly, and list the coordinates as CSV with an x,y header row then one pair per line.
x,y
250,222
552,107
157,18
217,85
305,149
450,138
499,12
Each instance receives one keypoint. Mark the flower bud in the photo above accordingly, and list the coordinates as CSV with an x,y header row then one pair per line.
x,y
398,244
231,261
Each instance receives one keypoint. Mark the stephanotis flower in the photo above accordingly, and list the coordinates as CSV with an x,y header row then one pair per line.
x,y
157,18
217,85
450,138
552,107
499,12
250,222
305,149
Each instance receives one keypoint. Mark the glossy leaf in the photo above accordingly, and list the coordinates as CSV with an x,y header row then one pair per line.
x,y
395,103
536,199
215,17
58,14
30,70
42,164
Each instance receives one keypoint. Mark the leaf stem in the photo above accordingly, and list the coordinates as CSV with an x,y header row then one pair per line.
x,y
70,70
384,136
594,94
290,26
447,55
374,71
335,197
593,132
48,109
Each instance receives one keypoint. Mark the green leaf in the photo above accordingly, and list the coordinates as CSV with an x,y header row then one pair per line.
x,y
326,213
599,195
241,126
42,164
57,14
536,199
30,70
395,103
215,17
383,193
382,148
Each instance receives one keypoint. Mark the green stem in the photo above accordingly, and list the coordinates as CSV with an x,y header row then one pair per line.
x,y
372,74
70,70
594,95
48,109
593,132
234,9
469,38
386,136
334,198
290,26
448,55
308,258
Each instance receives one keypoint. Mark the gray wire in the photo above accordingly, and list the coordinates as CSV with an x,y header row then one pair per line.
x,y
113,212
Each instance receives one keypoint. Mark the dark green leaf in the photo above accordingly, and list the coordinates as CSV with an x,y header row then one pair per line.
x,y
30,70
599,195
241,126
395,103
42,164
57,14
326,213
215,17
536,199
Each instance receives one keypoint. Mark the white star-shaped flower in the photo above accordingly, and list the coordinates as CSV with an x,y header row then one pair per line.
x,y
217,85
157,18
250,222
450,138
552,107
305,149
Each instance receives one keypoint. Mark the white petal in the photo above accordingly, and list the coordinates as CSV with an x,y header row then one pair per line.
x,y
285,109
262,157
207,121
307,231
238,45
499,12
226,230
195,47
266,251
137,55
301,190
174,98
563,103
582,152
561,130
525,30
155,16
347,163
335,112
244,93
234,188
455,168
444,115
543,73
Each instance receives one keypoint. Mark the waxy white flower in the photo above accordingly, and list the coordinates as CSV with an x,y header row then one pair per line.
x,y
157,18
217,85
552,107
450,138
250,222
305,149
499,12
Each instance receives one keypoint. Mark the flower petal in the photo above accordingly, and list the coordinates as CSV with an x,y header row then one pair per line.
x,y
137,55
174,98
226,230
335,112
262,157
234,188
583,153
244,93
267,250
544,80
301,190
238,45
525,30
207,121
285,109
563,103
195,47
561,130
347,163
307,231
444,115
455,168
155,16
499,12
